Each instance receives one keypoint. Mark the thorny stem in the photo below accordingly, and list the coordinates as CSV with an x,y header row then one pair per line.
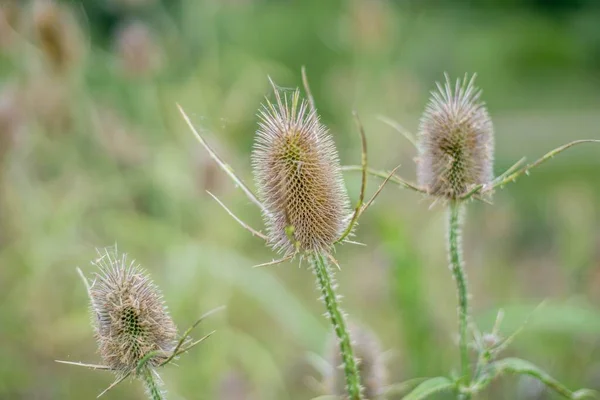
x,y
152,387
460,277
336,316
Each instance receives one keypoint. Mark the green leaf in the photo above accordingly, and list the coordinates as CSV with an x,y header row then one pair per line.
x,y
522,367
429,387
403,387
573,317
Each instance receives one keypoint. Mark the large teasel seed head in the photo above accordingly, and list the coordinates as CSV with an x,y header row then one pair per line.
x,y
371,365
129,315
456,140
297,172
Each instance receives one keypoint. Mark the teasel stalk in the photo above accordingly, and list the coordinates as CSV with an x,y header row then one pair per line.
x,y
456,143
455,146
303,199
133,328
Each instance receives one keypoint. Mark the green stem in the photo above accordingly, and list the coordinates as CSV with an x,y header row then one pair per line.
x,y
336,316
152,387
456,265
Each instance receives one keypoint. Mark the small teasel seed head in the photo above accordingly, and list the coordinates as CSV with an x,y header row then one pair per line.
x,y
456,140
297,172
57,34
371,364
129,315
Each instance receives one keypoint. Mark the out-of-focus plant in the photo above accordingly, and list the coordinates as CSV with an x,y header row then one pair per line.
x,y
372,366
303,200
455,147
133,328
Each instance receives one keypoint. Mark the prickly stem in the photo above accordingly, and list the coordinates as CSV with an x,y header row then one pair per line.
x,y
336,316
460,277
152,387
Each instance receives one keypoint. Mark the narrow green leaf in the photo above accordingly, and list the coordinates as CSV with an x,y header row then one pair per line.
x,y
522,367
429,387
585,394
402,387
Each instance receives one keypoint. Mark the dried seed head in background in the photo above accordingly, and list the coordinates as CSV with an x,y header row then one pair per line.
x,y
297,172
371,364
137,50
456,141
57,33
129,315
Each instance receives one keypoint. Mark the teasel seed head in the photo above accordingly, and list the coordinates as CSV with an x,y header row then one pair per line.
x,y
137,50
57,33
129,315
297,172
371,364
456,141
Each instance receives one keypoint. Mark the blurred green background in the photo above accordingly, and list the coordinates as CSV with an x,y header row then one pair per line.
x,y
93,152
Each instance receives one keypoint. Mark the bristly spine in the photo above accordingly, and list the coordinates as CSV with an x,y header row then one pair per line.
x,y
455,141
297,172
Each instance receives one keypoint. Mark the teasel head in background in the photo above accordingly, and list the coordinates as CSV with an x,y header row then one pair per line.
x,y
58,35
455,141
371,364
133,328
137,51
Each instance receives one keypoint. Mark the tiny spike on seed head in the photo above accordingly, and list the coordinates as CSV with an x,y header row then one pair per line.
x,y
456,140
129,315
371,364
297,172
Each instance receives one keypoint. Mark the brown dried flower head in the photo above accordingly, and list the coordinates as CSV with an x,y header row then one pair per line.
x,y
456,140
137,50
297,172
371,364
58,34
129,315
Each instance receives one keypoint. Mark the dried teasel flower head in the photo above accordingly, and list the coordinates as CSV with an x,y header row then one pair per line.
x,y
57,33
371,364
137,50
129,315
297,172
456,140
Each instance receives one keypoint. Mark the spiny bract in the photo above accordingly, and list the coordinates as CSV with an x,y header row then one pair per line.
x,y
456,141
129,315
297,172
371,364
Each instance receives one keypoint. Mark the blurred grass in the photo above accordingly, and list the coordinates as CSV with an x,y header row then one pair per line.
x,y
94,153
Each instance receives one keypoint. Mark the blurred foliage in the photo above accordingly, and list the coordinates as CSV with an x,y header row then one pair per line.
x,y
93,153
